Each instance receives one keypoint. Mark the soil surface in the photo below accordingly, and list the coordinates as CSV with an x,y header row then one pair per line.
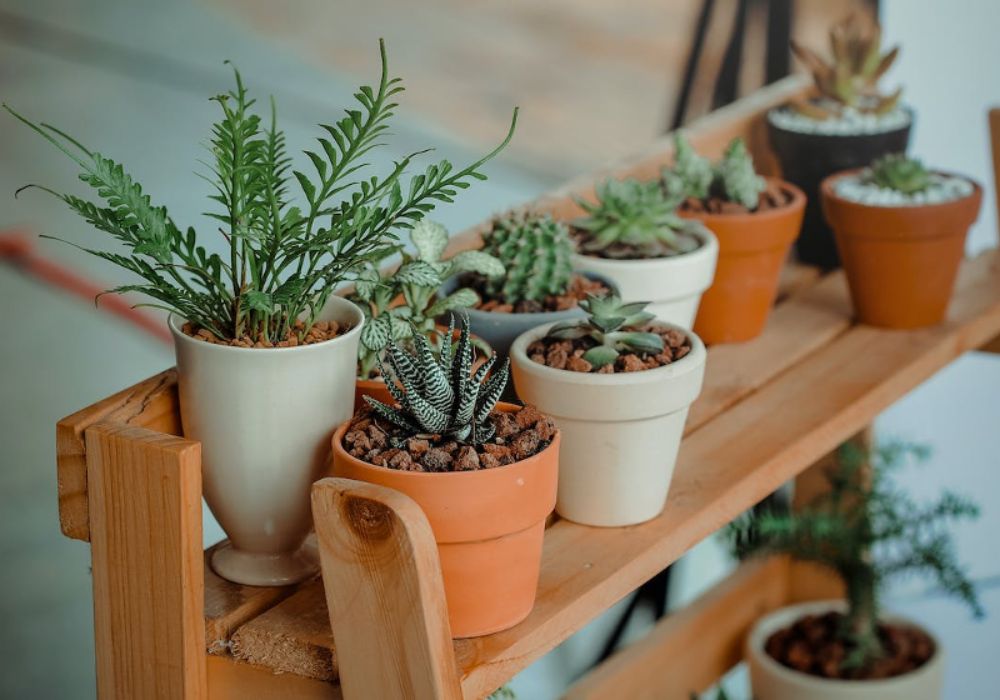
x,y
579,288
623,251
811,646
320,332
519,435
568,354
773,197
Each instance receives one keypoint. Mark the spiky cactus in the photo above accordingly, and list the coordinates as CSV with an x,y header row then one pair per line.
x,y
737,176
851,78
441,395
899,172
613,326
632,217
536,252
733,177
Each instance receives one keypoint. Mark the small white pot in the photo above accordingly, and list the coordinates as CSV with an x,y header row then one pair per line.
x,y
620,432
673,286
264,417
772,681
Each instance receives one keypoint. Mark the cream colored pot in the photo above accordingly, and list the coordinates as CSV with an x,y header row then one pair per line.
x,y
264,418
673,286
620,432
772,681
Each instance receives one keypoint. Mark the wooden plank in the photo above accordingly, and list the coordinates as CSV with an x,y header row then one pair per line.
x,y
150,404
229,679
689,650
145,527
385,593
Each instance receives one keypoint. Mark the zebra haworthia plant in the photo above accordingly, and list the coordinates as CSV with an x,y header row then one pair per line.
x,y
441,395
613,326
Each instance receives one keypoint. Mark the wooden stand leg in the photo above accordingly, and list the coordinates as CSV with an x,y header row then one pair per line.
x,y
144,492
385,594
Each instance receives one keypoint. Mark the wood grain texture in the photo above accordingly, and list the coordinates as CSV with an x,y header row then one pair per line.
x,y
229,679
690,649
145,528
385,593
150,404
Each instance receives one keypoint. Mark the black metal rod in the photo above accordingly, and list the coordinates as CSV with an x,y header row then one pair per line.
x,y
691,67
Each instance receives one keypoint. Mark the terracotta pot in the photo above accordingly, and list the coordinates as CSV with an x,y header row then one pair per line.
x,y
753,248
264,417
488,525
806,159
673,286
771,680
621,432
901,261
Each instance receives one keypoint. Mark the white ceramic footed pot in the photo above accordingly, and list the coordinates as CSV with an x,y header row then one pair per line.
x,y
264,417
772,681
673,286
620,432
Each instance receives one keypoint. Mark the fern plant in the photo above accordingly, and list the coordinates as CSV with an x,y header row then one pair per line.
x,y
439,395
284,260
613,326
536,252
866,531
899,172
733,177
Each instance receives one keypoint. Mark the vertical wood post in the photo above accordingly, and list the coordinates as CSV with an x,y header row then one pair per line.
x,y
144,493
385,593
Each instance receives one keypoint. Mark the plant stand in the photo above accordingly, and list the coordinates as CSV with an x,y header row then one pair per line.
x,y
771,410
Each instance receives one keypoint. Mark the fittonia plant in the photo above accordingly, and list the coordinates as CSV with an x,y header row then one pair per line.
x,y
439,394
536,252
733,177
614,326
635,219
900,173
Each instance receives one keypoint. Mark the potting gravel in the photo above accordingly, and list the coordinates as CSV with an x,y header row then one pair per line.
x,y
943,188
850,122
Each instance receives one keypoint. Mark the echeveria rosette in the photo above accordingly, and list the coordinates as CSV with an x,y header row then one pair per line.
x,y
613,326
901,173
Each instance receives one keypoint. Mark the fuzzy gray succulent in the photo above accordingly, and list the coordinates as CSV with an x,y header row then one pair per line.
x,y
733,177
440,395
613,325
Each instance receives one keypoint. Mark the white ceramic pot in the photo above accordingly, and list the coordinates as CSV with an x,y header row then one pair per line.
x,y
673,286
772,681
620,432
264,417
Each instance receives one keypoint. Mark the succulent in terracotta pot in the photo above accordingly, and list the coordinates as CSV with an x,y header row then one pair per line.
x,y
484,473
901,232
866,531
266,353
847,121
755,220
618,383
632,234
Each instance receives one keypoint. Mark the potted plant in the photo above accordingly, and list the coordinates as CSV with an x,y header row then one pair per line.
x,y
865,530
901,233
618,383
538,284
845,123
404,301
266,353
633,236
483,473
755,219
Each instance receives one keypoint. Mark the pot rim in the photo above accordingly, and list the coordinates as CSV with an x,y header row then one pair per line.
x,y
174,320
910,112
708,249
338,447
690,362
537,316
798,201
756,638
828,192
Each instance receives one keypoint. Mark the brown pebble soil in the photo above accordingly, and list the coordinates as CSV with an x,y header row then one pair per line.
x,y
519,435
812,645
568,354
579,288
320,332
773,197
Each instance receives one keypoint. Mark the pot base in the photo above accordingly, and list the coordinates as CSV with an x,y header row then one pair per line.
x,y
260,569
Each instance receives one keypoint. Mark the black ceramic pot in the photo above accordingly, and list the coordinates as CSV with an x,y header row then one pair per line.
x,y
806,159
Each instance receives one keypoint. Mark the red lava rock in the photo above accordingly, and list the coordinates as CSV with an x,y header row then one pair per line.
x,y
506,425
321,331
632,363
568,354
578,364
402,461
467,459
525,444
435,460
578,289
417,447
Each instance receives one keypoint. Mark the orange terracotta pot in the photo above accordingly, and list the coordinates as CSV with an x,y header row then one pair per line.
x,y
901,262
752,250
488,525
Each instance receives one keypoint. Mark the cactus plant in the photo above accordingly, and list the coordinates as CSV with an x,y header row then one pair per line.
x,y
740,182
691,173
851,79
733,177
635,219
536,253
613,326
441,395
899,172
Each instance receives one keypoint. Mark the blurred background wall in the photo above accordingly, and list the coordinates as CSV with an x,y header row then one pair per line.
x,y
595,80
